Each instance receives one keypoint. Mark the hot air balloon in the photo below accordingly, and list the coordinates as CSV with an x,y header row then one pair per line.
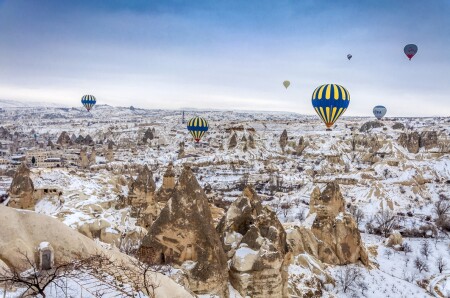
x,y
197,126
88,101
286,84
379,112
330,101
410,50
349,56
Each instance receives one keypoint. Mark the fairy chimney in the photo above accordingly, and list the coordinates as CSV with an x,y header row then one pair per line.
x,y
184,235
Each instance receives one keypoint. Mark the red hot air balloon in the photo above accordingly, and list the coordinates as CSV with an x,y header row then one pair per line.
x,y
410,50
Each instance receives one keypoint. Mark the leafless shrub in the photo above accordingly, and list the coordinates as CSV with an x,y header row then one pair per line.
x,y
425,249
441,263
420,265
442,211
382,223
357,214
350,279
35,280
405,247
388,253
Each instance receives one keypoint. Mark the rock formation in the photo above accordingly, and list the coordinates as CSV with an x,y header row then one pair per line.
x,y
398,125
414,141
410,141
181,150
394,239
64,139
184,235
302,144
165,192
340,241
84,160
92,157
283,139
73,138
79,140
255,241
23,232
21,190
370,125
251,141
141,197
428,139
50,144
110,152
89,141
233,141
148,135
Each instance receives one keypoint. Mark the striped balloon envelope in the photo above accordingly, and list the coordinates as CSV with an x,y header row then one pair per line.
x,y
197,126
330,101
88,101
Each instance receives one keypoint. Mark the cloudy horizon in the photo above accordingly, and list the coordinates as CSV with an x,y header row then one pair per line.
x,y
227,55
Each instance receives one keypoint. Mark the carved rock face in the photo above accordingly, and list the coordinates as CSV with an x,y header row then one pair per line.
x,y
339,238
410,141
184,234
255,243
22,189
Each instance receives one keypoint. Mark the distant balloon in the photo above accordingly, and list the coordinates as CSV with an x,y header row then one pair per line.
x,y
349,56
286,84
410,50
330,101
197,126
379,112
88,101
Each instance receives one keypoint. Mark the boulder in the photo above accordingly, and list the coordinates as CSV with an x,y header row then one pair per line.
x,y
394,239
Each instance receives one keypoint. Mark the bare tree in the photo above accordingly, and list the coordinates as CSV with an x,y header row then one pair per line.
x,y
388,253
28,275
442,208
383,223
357,213
441,263
350,279
420,265
143,272
406,248
425,249
285,207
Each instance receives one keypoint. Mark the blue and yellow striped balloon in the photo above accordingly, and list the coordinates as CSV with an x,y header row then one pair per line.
x,y
330,101
197,126
88,101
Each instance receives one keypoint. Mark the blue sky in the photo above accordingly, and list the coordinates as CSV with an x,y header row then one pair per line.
x,y
227,54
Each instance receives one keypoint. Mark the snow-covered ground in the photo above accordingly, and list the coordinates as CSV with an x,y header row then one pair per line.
x,y
391,177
